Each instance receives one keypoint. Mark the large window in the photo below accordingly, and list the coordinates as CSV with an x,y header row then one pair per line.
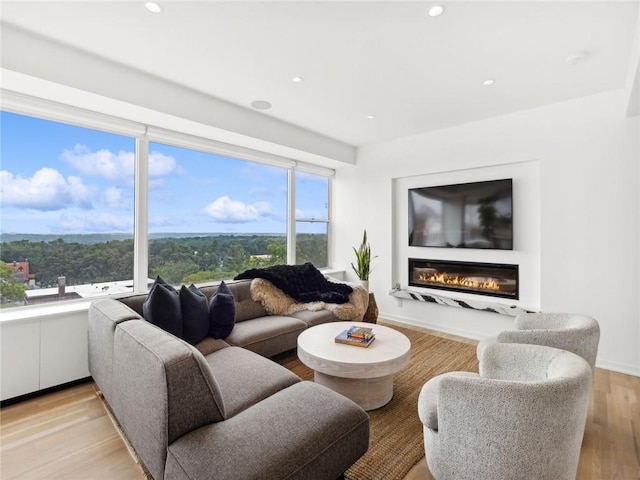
x,y
312,218
213,217
69,217
66,194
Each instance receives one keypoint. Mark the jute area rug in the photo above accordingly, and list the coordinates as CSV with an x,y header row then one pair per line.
x,y
396,441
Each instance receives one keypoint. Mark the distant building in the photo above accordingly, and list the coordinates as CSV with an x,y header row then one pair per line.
x,y
21,273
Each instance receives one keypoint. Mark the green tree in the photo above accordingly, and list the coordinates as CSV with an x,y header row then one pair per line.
x,y
204,276
174,271
236,258
11,290
277,252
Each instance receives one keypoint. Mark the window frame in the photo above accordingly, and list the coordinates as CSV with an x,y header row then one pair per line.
x,y
143,133
327,222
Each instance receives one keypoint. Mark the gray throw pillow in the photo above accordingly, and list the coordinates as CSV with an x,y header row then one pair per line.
x,y
222,312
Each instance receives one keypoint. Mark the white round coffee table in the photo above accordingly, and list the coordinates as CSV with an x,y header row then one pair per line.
x,y
365,375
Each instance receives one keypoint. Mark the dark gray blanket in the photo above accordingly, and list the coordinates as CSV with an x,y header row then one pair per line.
x,y
304,283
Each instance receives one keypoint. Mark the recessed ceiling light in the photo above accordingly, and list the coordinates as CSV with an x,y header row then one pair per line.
x,y
489,81
261,105
369,117
153,7
436,11
297,79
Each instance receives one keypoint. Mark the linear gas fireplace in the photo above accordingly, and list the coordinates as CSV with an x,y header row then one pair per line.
x,y
494,279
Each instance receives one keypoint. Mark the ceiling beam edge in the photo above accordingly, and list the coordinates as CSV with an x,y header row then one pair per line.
x,y
30,54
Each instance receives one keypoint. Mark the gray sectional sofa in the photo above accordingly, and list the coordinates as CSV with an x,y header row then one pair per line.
x,y
221,409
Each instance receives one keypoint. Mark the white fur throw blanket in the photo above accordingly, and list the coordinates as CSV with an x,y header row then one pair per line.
x,y
276,302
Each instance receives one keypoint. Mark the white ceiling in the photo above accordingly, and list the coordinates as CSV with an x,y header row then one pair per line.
x,y
389,59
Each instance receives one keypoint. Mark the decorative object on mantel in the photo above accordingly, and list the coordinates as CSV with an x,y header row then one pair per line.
x,y
363,258
500,308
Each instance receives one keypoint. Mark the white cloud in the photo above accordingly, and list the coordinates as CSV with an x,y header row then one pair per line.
x,y
113,198
117,168
161,165
226,210
94,222
46,190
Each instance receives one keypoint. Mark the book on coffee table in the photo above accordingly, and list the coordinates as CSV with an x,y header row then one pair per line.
x,y
360,333
344,338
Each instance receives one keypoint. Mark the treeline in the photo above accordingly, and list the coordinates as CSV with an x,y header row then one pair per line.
x,y
177,260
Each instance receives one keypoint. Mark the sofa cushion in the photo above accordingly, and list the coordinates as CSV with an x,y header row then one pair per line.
x,y
209,345
312,318
305,432
268,335
246,307
245,378
195,314
222,312
162,307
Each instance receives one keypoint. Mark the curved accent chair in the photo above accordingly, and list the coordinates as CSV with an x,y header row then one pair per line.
x,y
579,334
523,416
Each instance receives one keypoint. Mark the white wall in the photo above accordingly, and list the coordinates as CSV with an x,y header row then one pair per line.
x,y
589,224
526,228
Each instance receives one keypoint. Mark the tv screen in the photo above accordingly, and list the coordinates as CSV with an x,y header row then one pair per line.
x,y
466,215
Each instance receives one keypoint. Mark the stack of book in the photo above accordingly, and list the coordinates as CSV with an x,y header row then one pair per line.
x,y
358,336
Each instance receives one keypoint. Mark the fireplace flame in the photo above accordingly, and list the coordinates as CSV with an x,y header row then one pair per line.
x,y
460,281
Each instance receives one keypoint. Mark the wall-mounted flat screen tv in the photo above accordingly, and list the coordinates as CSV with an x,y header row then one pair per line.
x,y
466,215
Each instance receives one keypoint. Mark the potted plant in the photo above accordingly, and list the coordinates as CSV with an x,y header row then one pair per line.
x,y
363,258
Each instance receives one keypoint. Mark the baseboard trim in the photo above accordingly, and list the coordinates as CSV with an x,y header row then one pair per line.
x,y
618,367
600,363
44,391
439,328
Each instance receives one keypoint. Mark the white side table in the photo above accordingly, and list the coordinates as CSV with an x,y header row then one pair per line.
x,y
365,375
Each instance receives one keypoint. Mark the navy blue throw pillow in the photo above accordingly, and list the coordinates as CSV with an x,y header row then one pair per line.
x,y
222,312
162,307
195,314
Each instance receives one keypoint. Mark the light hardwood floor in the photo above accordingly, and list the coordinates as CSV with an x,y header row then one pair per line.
x,y
69,435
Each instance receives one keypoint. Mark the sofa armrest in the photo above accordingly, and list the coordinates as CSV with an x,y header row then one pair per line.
x,y
104,315
164,390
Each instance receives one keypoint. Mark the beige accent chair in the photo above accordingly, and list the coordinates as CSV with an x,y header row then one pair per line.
x,y
523,416
579,334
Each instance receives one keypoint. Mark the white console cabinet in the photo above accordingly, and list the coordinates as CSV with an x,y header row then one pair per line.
x,y
42,349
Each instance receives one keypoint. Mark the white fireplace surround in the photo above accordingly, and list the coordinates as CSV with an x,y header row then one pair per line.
x,y
526,232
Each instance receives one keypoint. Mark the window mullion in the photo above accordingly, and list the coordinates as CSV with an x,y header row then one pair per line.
x,y
329,222
141,216
291,216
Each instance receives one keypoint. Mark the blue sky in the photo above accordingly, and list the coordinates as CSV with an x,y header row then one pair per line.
x,y
58,178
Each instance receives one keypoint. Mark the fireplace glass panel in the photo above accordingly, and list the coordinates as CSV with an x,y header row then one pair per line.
x,y
493,279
